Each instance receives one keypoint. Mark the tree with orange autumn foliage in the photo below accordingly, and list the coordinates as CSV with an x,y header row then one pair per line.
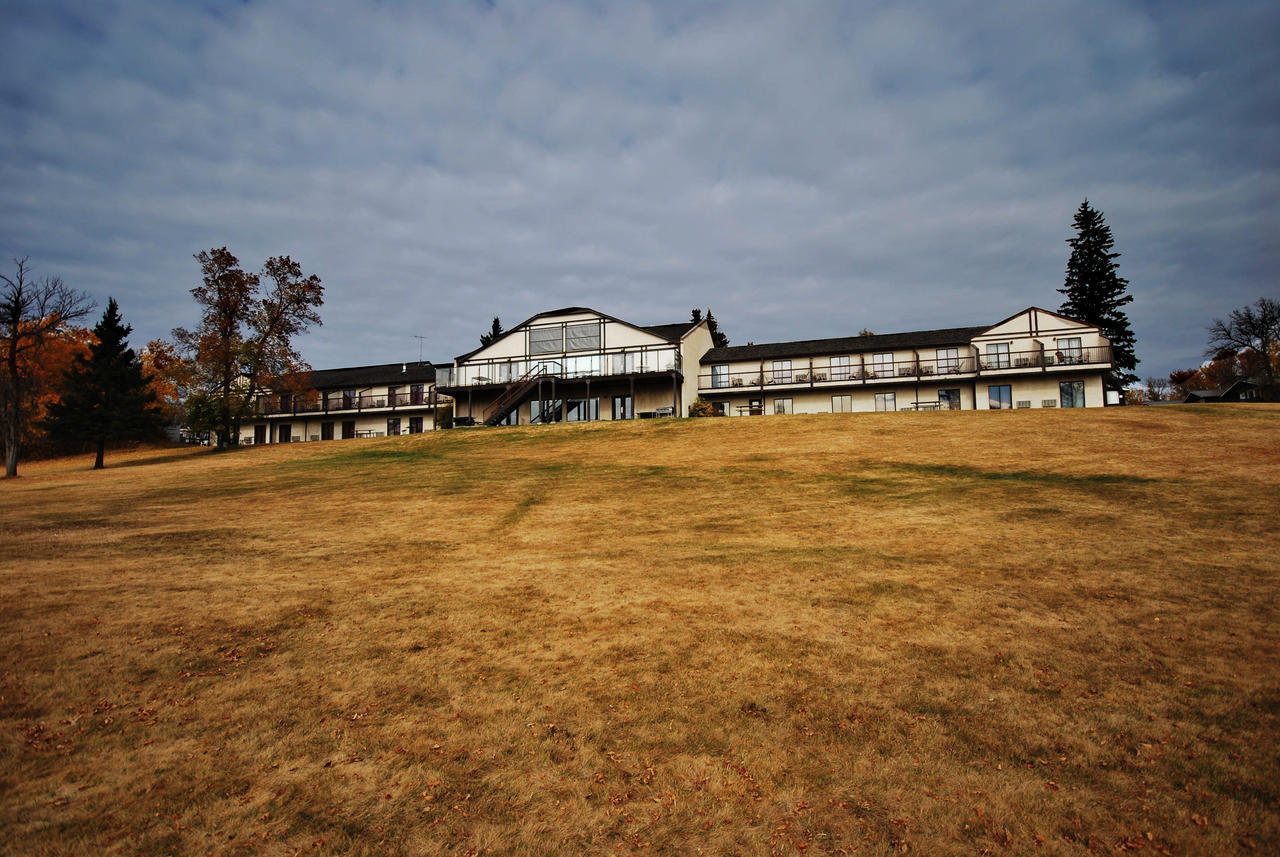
x,y
32,315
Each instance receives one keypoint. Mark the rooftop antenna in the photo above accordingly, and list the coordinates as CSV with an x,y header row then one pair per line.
x,y
419,338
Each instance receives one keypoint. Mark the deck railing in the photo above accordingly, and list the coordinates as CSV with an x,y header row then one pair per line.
x,y
619,362
822,373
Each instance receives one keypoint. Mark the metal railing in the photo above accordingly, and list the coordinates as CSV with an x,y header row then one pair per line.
x,y
822,373
338,403
618,362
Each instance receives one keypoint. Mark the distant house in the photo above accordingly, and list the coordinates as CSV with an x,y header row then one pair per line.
x,y
357,401
1033,359
577,364
1240,391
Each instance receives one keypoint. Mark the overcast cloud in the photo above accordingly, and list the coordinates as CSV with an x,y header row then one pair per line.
x,y
806,170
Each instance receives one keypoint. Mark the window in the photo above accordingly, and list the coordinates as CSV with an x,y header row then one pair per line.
x,y
393,396
326,431
882,365
720,409
415,425
576,367
1071,394
949,400
886,401
1069,351
582,410
842,404
546,340
720,376
348,399
545,411
840,368
1000,397
948,359
393,427
783,406
417,394
997,355
286,432
623,408
624,363
348,429
782,371
582,337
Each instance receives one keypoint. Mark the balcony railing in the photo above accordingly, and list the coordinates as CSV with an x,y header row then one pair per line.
x,y
338,403
887,371
602,364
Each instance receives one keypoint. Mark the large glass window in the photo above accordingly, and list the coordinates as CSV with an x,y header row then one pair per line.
x,y
415,425
841,404
582,337
1071,394
1069,351
882,364
720,376
544,411
997,355
417,394
783,406
840,368
949,400
546,340
581,410
999,397
948,359
623,408
624,363
782,371
886,401
393,427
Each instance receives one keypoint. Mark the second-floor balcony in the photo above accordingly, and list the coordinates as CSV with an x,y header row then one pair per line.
x,y
615,363
868,370
338,402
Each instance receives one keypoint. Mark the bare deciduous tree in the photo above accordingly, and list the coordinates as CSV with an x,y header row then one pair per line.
x,y
1253,329
31,311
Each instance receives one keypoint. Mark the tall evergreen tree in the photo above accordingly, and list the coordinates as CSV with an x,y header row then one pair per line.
x,y
105,396
495,331
1096,292
718,339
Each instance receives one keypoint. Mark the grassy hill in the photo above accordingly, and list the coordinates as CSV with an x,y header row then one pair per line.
x,y
1048,632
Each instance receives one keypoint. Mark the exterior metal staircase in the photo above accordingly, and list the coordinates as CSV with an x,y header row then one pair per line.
x,y
513,395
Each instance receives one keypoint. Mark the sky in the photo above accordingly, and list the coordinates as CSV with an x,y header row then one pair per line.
x,y
804,170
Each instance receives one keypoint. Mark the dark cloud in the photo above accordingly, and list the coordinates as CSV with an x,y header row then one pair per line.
x,y
804,169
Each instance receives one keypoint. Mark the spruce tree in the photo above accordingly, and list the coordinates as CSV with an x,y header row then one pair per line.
x,y
1096,292
105,395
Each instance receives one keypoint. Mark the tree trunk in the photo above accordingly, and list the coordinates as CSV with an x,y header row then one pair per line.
x,y
11,459
102,445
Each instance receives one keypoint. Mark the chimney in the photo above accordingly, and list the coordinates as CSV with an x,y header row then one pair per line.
x,y
404,367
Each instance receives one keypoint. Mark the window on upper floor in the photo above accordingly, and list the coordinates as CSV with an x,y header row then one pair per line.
x,y
782,371
840,368
546,340
948,359
582,337
997,355
720,376
882,364
1069,350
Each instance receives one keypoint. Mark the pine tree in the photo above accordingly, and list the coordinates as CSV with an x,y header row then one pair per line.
x,y
106,397
1096,292
718,339
495,331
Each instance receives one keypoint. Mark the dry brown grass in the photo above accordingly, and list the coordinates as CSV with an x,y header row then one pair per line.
x,y
955,633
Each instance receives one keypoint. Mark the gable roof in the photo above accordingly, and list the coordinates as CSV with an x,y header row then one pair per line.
x,y
367,376
841,344
669,332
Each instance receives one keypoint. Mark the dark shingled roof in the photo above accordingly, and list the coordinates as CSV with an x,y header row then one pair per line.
x,y
845,345
370,376
670,332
